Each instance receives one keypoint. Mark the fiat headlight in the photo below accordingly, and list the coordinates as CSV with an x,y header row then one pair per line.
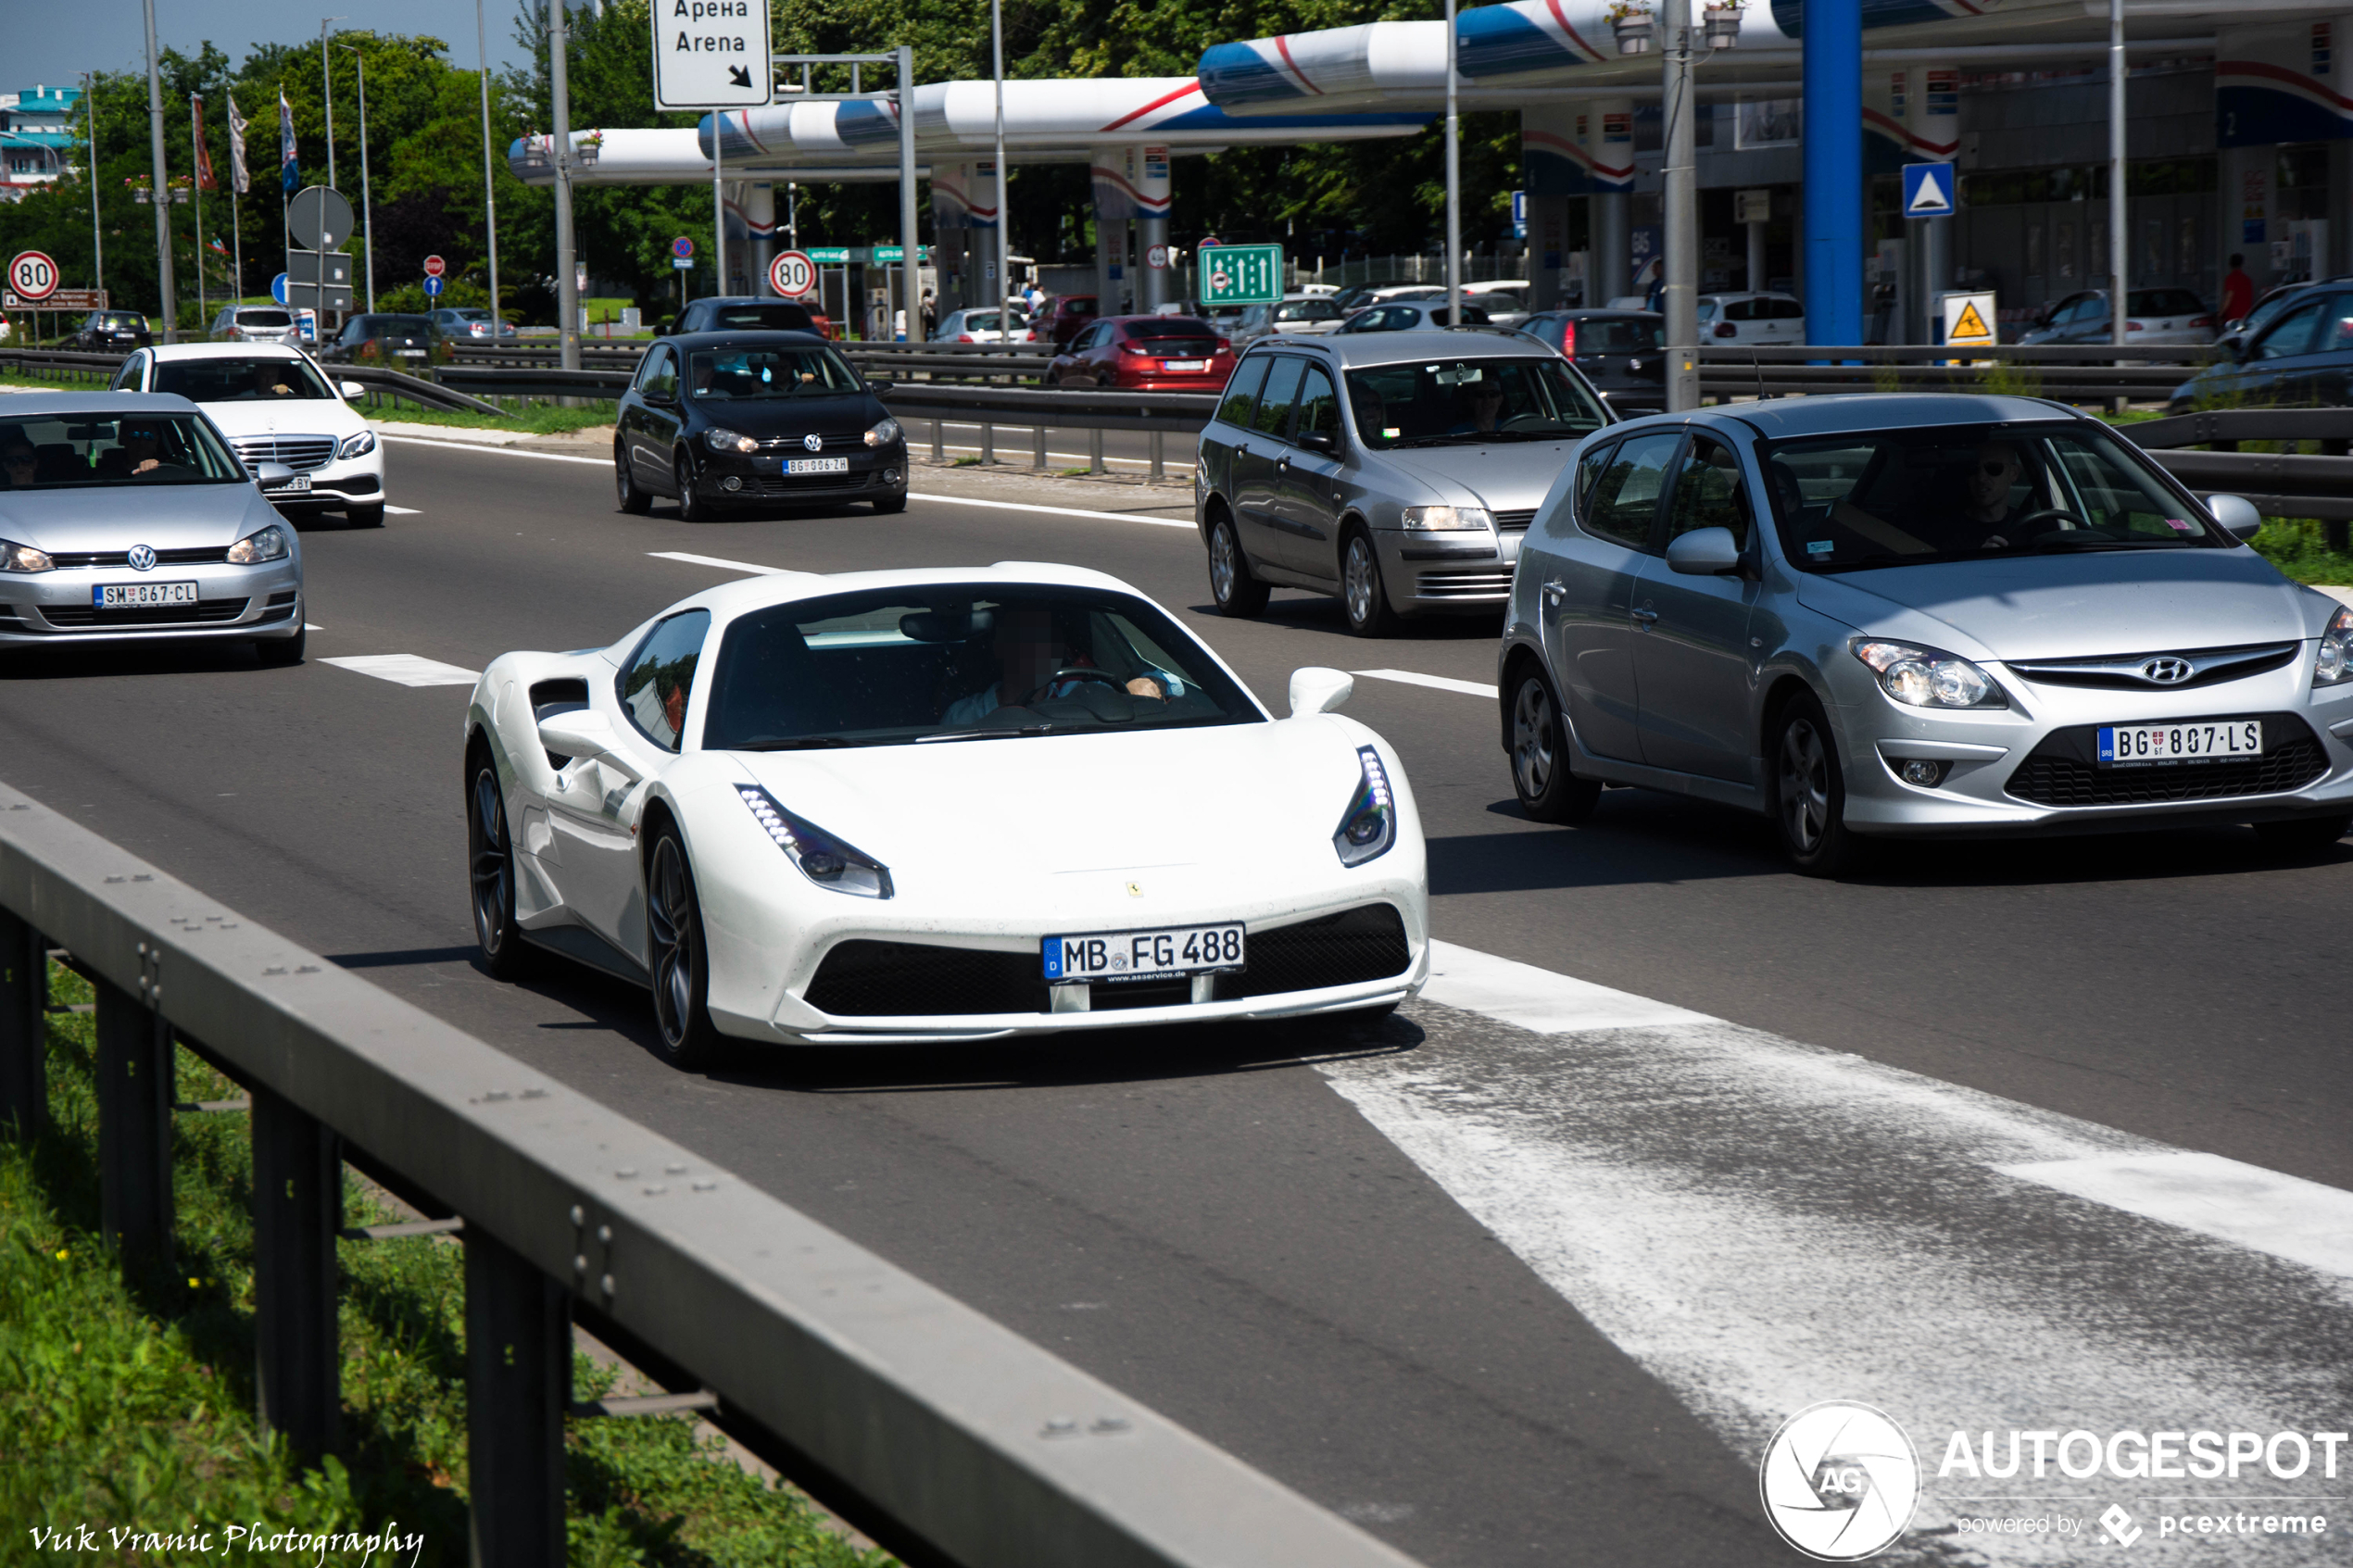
x,y
2334,660
23,558
883,433
823,859
1446,519
1368,828
357,446
1925,678
270,543
729,441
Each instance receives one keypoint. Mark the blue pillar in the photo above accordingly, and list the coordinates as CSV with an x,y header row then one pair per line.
x,y
1833,129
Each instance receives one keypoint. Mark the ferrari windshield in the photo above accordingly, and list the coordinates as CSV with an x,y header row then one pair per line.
x,y
57,453
740,374
1470,402
917,666
257,378
1913,497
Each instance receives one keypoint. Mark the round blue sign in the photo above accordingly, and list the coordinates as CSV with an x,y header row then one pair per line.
x,y
278,288
682,247
433,288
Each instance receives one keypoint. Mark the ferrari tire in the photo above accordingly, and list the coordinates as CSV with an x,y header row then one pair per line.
x,y
1236,592
1362,595
490,862
629,499
1809,791
1548,792
681,965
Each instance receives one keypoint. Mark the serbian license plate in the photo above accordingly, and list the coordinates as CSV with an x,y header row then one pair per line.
x,y
142,596
410,353
1115,956
817,465
294,485
1184,364
2208,740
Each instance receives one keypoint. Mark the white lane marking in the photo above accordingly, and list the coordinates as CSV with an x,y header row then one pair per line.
x,y
723,564
1055,511
1436,683
313,626
408,670
500,451
400,511
2285,1216
1538,999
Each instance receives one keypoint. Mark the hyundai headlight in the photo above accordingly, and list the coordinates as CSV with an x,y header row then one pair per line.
x,y
823,859
23,558
883,433
1446,519
729,441
2334,660
357,446
270,543
1925,678
1368,828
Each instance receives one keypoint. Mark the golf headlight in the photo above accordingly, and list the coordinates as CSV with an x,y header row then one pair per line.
x,y
823,859
1446,519
883,433
729,441
23,558
268,544
2333,662
357,446
1368,829
1925,678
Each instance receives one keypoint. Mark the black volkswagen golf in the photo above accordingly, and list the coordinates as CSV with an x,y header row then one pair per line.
x,y
744,418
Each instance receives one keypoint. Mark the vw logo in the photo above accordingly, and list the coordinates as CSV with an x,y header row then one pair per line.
x,y
815,443
2167,671
143,557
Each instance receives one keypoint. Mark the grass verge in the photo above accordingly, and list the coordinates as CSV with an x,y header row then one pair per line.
x,y
536,418
125,1411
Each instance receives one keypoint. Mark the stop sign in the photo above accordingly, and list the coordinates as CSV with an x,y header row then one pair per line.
x,y
436,266
792,274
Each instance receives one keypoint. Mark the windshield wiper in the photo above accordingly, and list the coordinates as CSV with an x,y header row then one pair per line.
x,y
1022,732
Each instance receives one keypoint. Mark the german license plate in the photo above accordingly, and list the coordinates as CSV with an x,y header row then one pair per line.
x,y
1115,956
294,485
142,596
1184,364
817,465
2205,740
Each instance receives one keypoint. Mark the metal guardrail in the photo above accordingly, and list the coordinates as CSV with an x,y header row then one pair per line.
x,y
942,1434
386,382
2279,483
953,361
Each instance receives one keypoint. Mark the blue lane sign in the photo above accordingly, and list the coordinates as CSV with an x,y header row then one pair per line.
x,y
433,288
1519,214
278,288
1928,190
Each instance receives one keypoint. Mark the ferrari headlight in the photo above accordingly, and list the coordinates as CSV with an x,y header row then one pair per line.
x,y
1368,828
883,433
357,446
253,549
1443,520
23,558
823,859
728,441
2334,662
1924,678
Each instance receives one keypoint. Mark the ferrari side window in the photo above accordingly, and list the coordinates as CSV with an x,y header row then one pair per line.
x,y
661,678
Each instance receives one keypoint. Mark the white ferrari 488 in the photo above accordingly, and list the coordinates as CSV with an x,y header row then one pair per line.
x,y
899,807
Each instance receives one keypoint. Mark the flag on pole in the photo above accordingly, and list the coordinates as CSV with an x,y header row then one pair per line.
x,y
205,178
239,180
286,174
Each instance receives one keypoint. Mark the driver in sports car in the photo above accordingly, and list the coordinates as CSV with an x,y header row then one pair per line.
x,y
1031,654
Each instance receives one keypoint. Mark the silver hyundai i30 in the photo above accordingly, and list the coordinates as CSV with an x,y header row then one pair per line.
x,y
1917,615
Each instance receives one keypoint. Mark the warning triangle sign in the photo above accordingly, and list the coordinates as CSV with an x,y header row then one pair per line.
x,y
1970,327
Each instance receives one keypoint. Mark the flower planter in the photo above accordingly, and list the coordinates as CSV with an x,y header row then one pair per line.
x,y
1723,26
1633,34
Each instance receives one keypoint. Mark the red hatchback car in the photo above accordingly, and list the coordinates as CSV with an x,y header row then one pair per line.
x,y
1146,354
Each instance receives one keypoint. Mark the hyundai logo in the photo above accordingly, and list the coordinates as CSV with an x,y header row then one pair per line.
x,y
2167,671
815,443
143,557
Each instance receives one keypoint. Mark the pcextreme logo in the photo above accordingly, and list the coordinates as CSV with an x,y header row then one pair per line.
x,y
1839,1481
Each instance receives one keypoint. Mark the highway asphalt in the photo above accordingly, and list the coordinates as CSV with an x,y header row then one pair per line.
x,y
1325,1265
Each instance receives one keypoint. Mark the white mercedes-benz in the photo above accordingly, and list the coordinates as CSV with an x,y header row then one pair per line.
x,y
275,405
901,806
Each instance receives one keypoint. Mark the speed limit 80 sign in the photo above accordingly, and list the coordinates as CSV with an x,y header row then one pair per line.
x,y
31,276
792,274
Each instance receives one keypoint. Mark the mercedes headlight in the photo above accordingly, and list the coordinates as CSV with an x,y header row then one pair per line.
x,y
1446,519
729,441
823,859
2333,662
1368,828
1925,678
270,543
883,433
357,446
23,558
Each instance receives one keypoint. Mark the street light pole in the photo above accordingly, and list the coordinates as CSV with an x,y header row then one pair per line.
x,y
1004,207
195,200
489,192
367,203
560,83
910,256
2118,212
1679,182
98,245
327,88
1453,186
169,302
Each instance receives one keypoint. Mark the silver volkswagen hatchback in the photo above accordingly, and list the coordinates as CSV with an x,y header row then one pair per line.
x,y
1395,470
1917,615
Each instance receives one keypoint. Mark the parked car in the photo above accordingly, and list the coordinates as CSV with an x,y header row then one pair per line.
x,y
255,323
394,342
1623,353
1397,470
720,313
1751,318
1294,315
275,406
718,418
2303,355
1411,316
981,326
1932,615
1059,319
105,331
128,519
1145,354
1361,295
2154,318
2259,315
469,321
1503,299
